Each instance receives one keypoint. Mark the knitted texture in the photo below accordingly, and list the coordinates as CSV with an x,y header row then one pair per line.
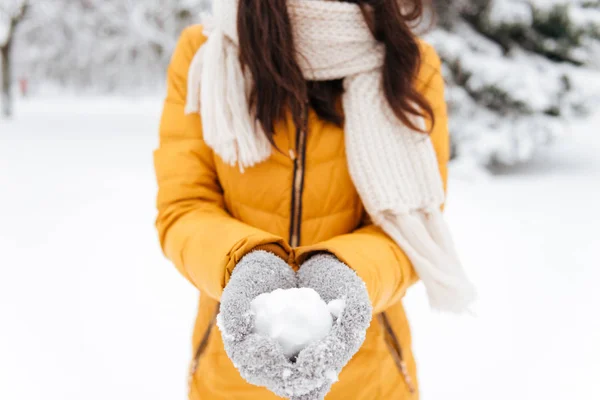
x,y
393,167
260,359
333,280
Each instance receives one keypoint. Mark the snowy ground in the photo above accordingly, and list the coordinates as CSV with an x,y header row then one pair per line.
x,y
90,310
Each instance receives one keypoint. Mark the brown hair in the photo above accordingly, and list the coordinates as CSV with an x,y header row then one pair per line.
x,y
267,52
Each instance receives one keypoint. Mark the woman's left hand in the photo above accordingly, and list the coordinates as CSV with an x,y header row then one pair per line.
x,y
323,360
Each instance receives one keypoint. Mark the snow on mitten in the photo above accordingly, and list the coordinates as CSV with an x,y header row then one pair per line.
x,y
256,273
322,361
259,359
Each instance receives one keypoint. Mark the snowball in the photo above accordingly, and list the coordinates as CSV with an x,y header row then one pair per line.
x,y
336,307
293,317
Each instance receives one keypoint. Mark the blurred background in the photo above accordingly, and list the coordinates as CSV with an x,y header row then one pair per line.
x,y
89,308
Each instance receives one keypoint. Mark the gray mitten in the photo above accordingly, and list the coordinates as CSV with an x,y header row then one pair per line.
x,y
260,360
316,394
322,361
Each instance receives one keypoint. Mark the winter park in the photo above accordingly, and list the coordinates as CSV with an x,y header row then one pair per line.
x,y
264,280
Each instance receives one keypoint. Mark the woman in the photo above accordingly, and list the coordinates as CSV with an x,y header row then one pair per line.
x,y
304,143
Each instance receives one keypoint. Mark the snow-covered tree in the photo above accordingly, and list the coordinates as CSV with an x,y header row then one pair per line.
x,y
12,13
516,69
105,44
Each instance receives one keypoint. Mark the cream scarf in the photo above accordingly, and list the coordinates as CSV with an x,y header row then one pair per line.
x,y
393,167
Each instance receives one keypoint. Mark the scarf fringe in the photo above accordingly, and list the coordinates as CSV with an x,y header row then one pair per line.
x,y
427,242
394,169
217,91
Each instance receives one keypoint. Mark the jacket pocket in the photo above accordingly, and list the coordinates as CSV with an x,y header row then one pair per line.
x,y
201,348
395,349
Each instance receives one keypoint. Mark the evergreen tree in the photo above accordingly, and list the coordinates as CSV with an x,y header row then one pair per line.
x,y
516,70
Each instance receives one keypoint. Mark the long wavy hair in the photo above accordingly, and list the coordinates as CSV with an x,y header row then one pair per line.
x,y
267,51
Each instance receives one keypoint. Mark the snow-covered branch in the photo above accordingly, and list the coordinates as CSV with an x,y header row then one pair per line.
x,y
105,44
516,71
11,13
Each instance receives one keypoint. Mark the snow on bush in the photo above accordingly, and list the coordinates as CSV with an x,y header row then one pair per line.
x,y
516,71
294,317
109,45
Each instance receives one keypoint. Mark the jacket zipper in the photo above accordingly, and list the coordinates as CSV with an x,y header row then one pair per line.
x,y
201,347
396,351
298,157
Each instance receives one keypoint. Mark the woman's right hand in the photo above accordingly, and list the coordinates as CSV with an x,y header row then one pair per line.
x,y
259,359
256,273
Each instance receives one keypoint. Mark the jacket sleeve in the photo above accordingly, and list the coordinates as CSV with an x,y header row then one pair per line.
x,y
195,230
376,258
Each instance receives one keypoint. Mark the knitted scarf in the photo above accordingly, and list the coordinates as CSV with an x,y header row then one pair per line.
x,y
393,168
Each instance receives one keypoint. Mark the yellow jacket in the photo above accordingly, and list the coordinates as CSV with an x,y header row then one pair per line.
x,y
210,215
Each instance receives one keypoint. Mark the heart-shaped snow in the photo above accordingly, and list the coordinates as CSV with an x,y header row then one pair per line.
x,y
294,317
